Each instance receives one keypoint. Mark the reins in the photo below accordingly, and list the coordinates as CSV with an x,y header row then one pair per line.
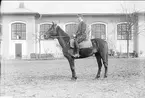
x,y
60,36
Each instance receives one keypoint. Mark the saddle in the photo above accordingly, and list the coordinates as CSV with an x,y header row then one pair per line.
x,y
84,44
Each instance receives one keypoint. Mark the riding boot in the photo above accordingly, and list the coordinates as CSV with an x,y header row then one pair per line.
x,y
76,49
94,47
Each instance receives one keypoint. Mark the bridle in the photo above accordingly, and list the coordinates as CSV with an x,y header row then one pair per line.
x,y
57,36
67,43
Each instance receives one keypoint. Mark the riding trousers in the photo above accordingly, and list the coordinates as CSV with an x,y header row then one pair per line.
x,y
80,38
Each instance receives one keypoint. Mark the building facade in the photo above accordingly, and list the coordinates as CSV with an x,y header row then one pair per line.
x,y
19,29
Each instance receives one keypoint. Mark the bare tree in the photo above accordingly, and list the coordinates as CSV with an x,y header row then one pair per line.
x,y
131,19
38,38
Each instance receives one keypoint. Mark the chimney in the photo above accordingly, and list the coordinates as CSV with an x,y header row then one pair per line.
x,y
21,5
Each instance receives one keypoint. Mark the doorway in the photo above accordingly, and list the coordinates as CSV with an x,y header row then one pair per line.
x,y
18,51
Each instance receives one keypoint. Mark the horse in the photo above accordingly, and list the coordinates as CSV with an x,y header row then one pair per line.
x,y
99,49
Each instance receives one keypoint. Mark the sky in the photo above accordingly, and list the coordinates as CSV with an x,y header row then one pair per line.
x,y
45,7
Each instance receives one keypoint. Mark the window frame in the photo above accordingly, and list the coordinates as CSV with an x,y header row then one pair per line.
x,y
69,23
0,32
39,28
122,23
19,22
100,23
1,27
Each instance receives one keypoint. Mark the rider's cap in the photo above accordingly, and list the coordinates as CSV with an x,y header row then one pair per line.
x,y
80,15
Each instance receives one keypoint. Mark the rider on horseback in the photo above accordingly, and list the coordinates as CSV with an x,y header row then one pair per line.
x,y
80,34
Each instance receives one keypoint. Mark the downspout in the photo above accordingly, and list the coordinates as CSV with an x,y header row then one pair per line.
x,y
137,36
38,17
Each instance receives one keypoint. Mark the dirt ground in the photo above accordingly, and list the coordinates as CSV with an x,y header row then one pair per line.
x,y
52,79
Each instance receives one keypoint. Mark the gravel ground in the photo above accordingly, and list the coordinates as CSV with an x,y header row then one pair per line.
x,y
52,79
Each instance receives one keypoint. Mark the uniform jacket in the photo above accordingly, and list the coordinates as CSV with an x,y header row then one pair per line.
x,y
81,32
81,28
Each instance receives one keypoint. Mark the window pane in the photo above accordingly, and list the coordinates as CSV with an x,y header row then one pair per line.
x,y
124,33
14,27
124,37
124,27
13,35
119,37
97,34
23,35
103,36
23,28
19,27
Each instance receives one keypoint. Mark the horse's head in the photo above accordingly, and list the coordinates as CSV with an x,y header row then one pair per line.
x,y
51,32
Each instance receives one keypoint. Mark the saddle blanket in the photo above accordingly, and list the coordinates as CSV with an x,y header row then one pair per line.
x,y
83,44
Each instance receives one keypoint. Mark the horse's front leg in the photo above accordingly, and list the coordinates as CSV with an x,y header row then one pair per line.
x,y
72,66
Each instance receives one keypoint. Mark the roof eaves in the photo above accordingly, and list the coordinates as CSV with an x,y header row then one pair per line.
x,y
84,14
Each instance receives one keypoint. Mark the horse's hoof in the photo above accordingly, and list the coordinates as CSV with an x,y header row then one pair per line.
x,y
74,78
105,76
97,77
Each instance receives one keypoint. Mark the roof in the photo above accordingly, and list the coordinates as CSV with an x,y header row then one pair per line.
x,y
56,9
20,10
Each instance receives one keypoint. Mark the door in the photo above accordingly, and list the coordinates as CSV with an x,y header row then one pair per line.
x,y
18,51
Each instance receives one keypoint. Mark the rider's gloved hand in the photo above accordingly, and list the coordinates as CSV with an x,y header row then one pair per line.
x,y
74,35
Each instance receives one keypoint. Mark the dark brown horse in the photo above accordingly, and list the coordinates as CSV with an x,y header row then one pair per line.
x,y
99,48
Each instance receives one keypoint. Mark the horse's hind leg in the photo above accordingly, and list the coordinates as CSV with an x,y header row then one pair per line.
x,y
105,62
98,57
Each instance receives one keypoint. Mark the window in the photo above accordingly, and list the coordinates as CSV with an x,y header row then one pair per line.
x,y
0,29
98,31
0,35
122,31
43,29
18,31
0,32
71,29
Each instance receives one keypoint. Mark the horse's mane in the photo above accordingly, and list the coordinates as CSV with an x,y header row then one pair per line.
x,y
64,35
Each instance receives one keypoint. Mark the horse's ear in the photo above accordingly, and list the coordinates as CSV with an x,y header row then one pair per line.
x,y
52,23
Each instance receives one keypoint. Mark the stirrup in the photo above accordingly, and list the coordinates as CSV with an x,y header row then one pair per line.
x,y
76,55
